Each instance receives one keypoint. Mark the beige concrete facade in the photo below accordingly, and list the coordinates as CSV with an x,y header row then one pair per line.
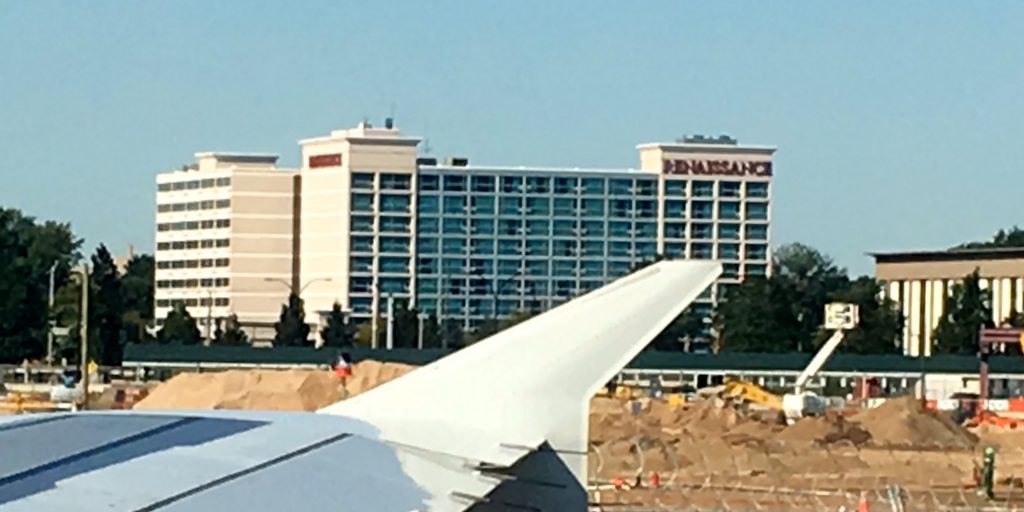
x,y
226,239
920,282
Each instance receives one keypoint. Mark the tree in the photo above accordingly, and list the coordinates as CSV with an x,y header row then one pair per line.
x,y
106,309
881,323
758,317
1013,237
808,278
452,334
179,327
291,328
137,285
406,326
232,333
967,309
337,332
492,326
431,332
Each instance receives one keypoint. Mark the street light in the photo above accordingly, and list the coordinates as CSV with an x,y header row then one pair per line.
x,y
292,288
49,320
419,333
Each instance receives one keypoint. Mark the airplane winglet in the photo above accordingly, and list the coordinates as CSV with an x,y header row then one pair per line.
x,y
530,385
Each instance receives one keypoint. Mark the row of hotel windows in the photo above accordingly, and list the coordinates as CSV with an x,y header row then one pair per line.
x,y
219,282
583,228
193,206
194,184
191,303
204,263
178,245
571,207
592,248
193,225
365,181
644,187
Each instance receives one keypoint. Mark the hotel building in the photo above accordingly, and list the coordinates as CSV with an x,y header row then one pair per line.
x,y
470,242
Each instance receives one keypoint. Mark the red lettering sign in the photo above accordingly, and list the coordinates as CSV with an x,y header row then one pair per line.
x,y
717,168
331,160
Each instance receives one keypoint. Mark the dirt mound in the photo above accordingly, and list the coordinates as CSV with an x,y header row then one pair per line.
x,y
905,422
369,374
831,428
293,390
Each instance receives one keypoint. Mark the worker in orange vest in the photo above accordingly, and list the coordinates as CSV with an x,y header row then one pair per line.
x,y
342,367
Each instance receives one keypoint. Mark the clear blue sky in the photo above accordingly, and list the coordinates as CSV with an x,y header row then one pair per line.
x,y
898,124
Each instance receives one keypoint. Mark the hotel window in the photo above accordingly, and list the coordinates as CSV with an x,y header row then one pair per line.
x,y
453,246
646,209
508,267
425,304
593,248
646,188
426,266
362,181
427,285
361,264
535,247
675,230
454,183
620,187
592,268
675,188
563,228
646,250
361,305
729,210
756,270
511,184
394,224
395,265
482,205
538,227
511,227
455,306
758,189
393,244
482,183
618,229
482,246
646,230
479,266
731,270
395,181
427,225
537,268
362,244
756,231
563,268
593,186
508,247
538,206
701,231
621,208
729,231
361,284
593,228
482,226
700,251
223,182
564,248
701,210
593,207
362,202
565,185
675,250
454,204
364,223
453,266
429,182
426,245
618,268
427,204
675,209
538,184
563,288
703,188
565,207
728,251
453,226
619,249
221,302
729,189
757,252
757,211
393,285
510,205
394,203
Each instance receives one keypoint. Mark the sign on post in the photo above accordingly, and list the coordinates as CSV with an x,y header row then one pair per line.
x,y
840,315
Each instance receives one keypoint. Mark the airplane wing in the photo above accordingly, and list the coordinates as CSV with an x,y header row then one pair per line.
x,y
500,425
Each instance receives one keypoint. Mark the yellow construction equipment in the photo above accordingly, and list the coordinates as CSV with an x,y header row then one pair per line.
x,y
750,393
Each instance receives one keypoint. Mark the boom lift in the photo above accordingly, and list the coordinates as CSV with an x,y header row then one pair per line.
x,y
839,317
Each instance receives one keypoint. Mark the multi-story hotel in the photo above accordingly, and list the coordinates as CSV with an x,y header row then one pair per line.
x,y
472,242
225,239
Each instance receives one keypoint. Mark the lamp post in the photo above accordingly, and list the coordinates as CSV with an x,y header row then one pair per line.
x,y
291,287
83,325
49,320
421,317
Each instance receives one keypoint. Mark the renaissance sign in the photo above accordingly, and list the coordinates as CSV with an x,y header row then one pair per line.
x,y
329,160
717,168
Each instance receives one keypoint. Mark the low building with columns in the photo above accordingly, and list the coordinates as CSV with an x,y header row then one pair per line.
x,y
919,283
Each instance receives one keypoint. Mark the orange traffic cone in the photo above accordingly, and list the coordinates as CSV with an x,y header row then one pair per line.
x,y
618,482
654,479
862,505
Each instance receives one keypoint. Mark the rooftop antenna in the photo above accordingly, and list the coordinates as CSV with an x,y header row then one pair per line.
x,y
427,150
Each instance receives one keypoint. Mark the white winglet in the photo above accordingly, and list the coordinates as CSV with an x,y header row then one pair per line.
x,y
531,384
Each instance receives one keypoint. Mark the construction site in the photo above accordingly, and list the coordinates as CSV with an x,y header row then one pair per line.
x,y
723,448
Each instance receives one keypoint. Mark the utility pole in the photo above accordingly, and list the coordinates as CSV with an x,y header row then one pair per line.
x,y
209,317
419,333
49,320
391,322
84,334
